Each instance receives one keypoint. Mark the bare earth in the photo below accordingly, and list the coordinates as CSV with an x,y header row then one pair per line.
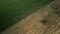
x,y
32,24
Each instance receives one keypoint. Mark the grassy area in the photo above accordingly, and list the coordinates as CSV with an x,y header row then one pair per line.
x,y
12,11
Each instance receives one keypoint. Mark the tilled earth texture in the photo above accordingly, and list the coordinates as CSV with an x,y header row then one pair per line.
x,y
44,21
13,11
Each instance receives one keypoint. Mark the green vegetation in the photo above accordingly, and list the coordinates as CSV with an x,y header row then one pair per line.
x,y
13,11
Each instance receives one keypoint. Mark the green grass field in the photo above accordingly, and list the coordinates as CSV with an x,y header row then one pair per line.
x,y
13,11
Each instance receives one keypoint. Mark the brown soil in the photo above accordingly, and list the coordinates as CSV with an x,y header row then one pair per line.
x,y
32,24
